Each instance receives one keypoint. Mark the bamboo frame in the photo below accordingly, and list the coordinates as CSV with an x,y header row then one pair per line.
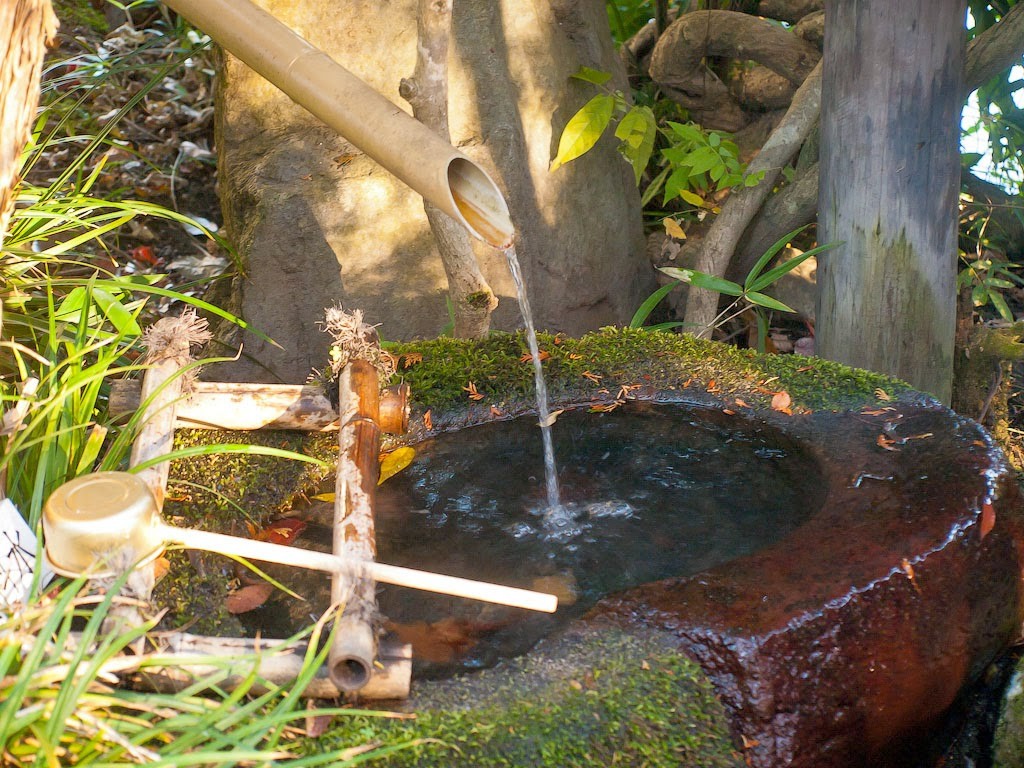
x,y
350,660
229,405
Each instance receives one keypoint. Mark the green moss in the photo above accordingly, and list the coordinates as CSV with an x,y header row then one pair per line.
x,y
611,699
228,493
440,370
480,299
79,13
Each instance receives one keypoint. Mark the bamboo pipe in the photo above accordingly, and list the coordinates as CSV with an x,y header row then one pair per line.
x,y
400,143
280,663
231,405
107,512
350,659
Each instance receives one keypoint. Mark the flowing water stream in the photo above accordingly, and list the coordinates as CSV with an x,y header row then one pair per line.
x,y
556,516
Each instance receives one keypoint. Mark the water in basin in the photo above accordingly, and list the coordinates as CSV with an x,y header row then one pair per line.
x,y
655,492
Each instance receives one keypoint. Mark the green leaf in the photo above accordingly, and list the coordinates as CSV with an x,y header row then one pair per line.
x,y
692,198
1000,304
584,129
970,159
653,187
595,76
775,273
703,160
118,315
763,300
687,131
645,309
714,139
979,295
637,131
767,256
675,183
704,280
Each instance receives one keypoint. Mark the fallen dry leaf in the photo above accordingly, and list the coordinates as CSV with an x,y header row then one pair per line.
x,y
673,229
410,359
781,401
316,725
605,407
395,462
427,421
551,418
528,358
909,570
886,443
881,394
741,403
592,377
496,411
473,393
248,598
282,531
988,518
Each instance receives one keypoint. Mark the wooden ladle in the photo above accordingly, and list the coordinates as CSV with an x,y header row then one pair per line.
x,y
94,517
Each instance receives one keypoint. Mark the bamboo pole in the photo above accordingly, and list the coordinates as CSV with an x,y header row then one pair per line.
x,y
229,405
400,143
169,342
350,660
189,658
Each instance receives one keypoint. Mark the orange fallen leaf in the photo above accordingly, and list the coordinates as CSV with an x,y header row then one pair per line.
x,y
886,443
988,518
881,394
427,421
741,403
909,570
728,411
528,358
248,598
282,531
781,401
496,411
592,377
473,393
575,356
410,359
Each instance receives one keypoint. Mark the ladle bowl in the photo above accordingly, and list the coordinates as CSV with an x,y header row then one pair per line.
x,y
93,519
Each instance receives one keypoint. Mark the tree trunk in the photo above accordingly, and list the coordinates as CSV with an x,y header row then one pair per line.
x,y
316,222
27,27
427,93
889,181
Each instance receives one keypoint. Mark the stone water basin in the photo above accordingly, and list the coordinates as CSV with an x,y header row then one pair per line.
x,y
838,640
838,576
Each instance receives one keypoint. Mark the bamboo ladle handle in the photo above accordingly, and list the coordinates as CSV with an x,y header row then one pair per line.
x,y
116,512
389,574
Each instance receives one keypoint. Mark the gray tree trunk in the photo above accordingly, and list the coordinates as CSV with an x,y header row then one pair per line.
x,y
317,223
889,180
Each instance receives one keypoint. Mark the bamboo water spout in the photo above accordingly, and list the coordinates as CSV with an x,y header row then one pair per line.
x,y
400,143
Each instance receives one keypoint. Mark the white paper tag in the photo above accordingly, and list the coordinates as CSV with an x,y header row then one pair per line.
x,y
17,557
